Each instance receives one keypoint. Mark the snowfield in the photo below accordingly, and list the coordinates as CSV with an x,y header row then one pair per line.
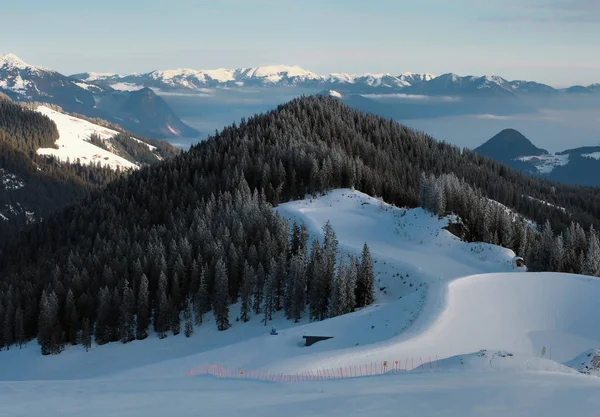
x,y
472,338
73,142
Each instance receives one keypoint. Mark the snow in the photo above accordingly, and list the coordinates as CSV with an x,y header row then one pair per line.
x,y
564,210
546,163
85,86
588,362
594,155
12,60
96,76
126,87
151,147
276,72
10,181
443,299
73,142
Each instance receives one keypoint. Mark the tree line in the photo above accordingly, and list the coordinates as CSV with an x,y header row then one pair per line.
x,y
574,251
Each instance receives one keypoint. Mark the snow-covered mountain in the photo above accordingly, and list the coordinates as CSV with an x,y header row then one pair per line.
x,y
22,81
489,85
448,314
294,76
29,83
264,76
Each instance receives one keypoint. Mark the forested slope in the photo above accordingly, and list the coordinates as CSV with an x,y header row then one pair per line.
x,y
198,230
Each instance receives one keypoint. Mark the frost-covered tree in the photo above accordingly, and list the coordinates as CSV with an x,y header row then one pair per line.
x,y
365,281
201,299
127,316
259,288
558,254
591,264
162,309
221,298
246,292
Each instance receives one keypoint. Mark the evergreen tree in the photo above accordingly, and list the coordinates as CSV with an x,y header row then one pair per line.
x,y
365,287
70,317
221,299
201,300
297,286
86,334
49,334
558,254
143,310
127,315
351,283
187,316
259,287
162,310
247,286
19,327
102,330
591,264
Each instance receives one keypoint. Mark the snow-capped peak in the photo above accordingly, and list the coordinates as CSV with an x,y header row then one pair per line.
x,y
417,76
12,60
93,76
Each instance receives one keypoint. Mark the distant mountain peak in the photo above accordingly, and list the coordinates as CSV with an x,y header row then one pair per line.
x,y
12,60
508,145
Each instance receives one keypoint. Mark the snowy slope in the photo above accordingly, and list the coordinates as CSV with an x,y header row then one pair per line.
x,y
436,296
73,142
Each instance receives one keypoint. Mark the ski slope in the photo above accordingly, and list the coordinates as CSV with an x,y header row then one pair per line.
x,y
436,296
73,142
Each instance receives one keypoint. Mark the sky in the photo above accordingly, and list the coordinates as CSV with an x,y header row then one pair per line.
x,y
551,41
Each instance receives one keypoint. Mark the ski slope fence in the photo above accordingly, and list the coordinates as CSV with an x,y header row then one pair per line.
x,y
371,369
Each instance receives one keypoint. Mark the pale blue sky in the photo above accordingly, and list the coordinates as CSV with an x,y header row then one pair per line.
x,y
553,41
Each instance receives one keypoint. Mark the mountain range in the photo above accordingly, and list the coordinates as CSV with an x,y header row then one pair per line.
x,y
294,76
577,166
142,111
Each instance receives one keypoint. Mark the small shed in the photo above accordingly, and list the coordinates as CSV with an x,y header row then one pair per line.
x,y
311,340
518,262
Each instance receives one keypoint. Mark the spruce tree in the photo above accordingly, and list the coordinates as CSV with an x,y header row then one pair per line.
x,y
102,329
365,288
143,310
19,327
259,288
127,314
187,317
201,300
350,291
246,293
71,319
297,288
162,310
221,298
591,264
86,334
